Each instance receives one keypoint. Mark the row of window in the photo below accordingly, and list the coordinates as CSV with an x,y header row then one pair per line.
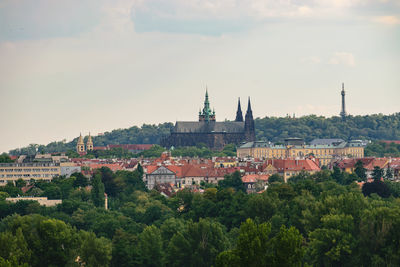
x,y
25,175
30,170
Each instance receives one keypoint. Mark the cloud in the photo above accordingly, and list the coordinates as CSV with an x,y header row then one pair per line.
x,y
311,60
225,16
342,58
387,20
22,20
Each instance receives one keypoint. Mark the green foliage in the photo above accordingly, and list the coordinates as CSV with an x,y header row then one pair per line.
x,y
97,192
360,171
94,251
377,187
370,127
275,178
5,158
256,247
151,247
377,173
197,245
234,181
381,149
322,219
38,241
147,134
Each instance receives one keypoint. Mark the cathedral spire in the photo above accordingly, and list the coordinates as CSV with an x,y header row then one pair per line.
x,y
239,116
207,114
249,111
249,128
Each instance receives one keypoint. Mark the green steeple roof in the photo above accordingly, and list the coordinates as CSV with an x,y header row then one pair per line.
x,y
207,113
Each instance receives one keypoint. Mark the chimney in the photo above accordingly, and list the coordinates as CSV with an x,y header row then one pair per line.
x,y
105,201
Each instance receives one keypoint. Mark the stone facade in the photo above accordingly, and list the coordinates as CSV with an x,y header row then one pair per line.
x,y
210,132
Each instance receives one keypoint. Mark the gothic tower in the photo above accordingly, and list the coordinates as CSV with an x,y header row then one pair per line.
x,y
207,114
239,116
249,130
89,143
80,146
343,112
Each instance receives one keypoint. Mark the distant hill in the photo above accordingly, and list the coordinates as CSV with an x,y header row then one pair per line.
x,y
275,129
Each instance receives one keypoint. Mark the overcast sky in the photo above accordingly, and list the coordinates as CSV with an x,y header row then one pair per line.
x,y
93,65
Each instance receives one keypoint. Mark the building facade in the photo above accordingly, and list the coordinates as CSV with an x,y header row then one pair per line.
x,y
80,145
210,132
324,152
41,167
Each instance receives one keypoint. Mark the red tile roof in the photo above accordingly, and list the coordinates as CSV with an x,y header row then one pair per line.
x,y
283,165
132,146
113,166
391,141
369,163
253,178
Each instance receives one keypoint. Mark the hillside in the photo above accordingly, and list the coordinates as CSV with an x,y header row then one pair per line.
x,y
370,127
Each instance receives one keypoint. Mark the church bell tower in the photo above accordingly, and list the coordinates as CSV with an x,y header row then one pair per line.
x,y
80,146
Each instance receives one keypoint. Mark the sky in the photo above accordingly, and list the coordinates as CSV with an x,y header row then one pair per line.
x,y
80,66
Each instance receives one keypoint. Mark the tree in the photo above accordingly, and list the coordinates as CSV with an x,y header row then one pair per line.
x,y
389,173
360,170
333,243
288,247
151,247
5,158
94,251
125,251
14,248
233,180
253,244
97,192
275,178
378,187
377,173
197,245
107,177
80,180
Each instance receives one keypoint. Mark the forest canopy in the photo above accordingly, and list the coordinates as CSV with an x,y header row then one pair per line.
x,y
275,129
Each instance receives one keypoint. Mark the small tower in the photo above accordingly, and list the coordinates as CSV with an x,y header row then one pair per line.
x,y
239,116
343,113
80,146
206,114
89,143
249,129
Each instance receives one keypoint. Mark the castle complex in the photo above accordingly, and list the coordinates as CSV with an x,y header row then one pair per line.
x,y
210,132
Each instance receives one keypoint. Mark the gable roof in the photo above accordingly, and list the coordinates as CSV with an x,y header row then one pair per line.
x,y
283,165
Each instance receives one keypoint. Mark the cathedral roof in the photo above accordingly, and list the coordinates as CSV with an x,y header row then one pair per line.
x,y
207,127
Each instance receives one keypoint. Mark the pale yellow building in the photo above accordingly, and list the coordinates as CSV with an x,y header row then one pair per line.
x,y
42,200
40,167
11,172
325,153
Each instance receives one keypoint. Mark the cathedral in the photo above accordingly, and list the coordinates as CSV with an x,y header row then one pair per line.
x,y
210,132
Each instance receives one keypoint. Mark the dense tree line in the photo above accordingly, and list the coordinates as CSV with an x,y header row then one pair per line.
x,y
324,219
369,127
275,129
381,149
